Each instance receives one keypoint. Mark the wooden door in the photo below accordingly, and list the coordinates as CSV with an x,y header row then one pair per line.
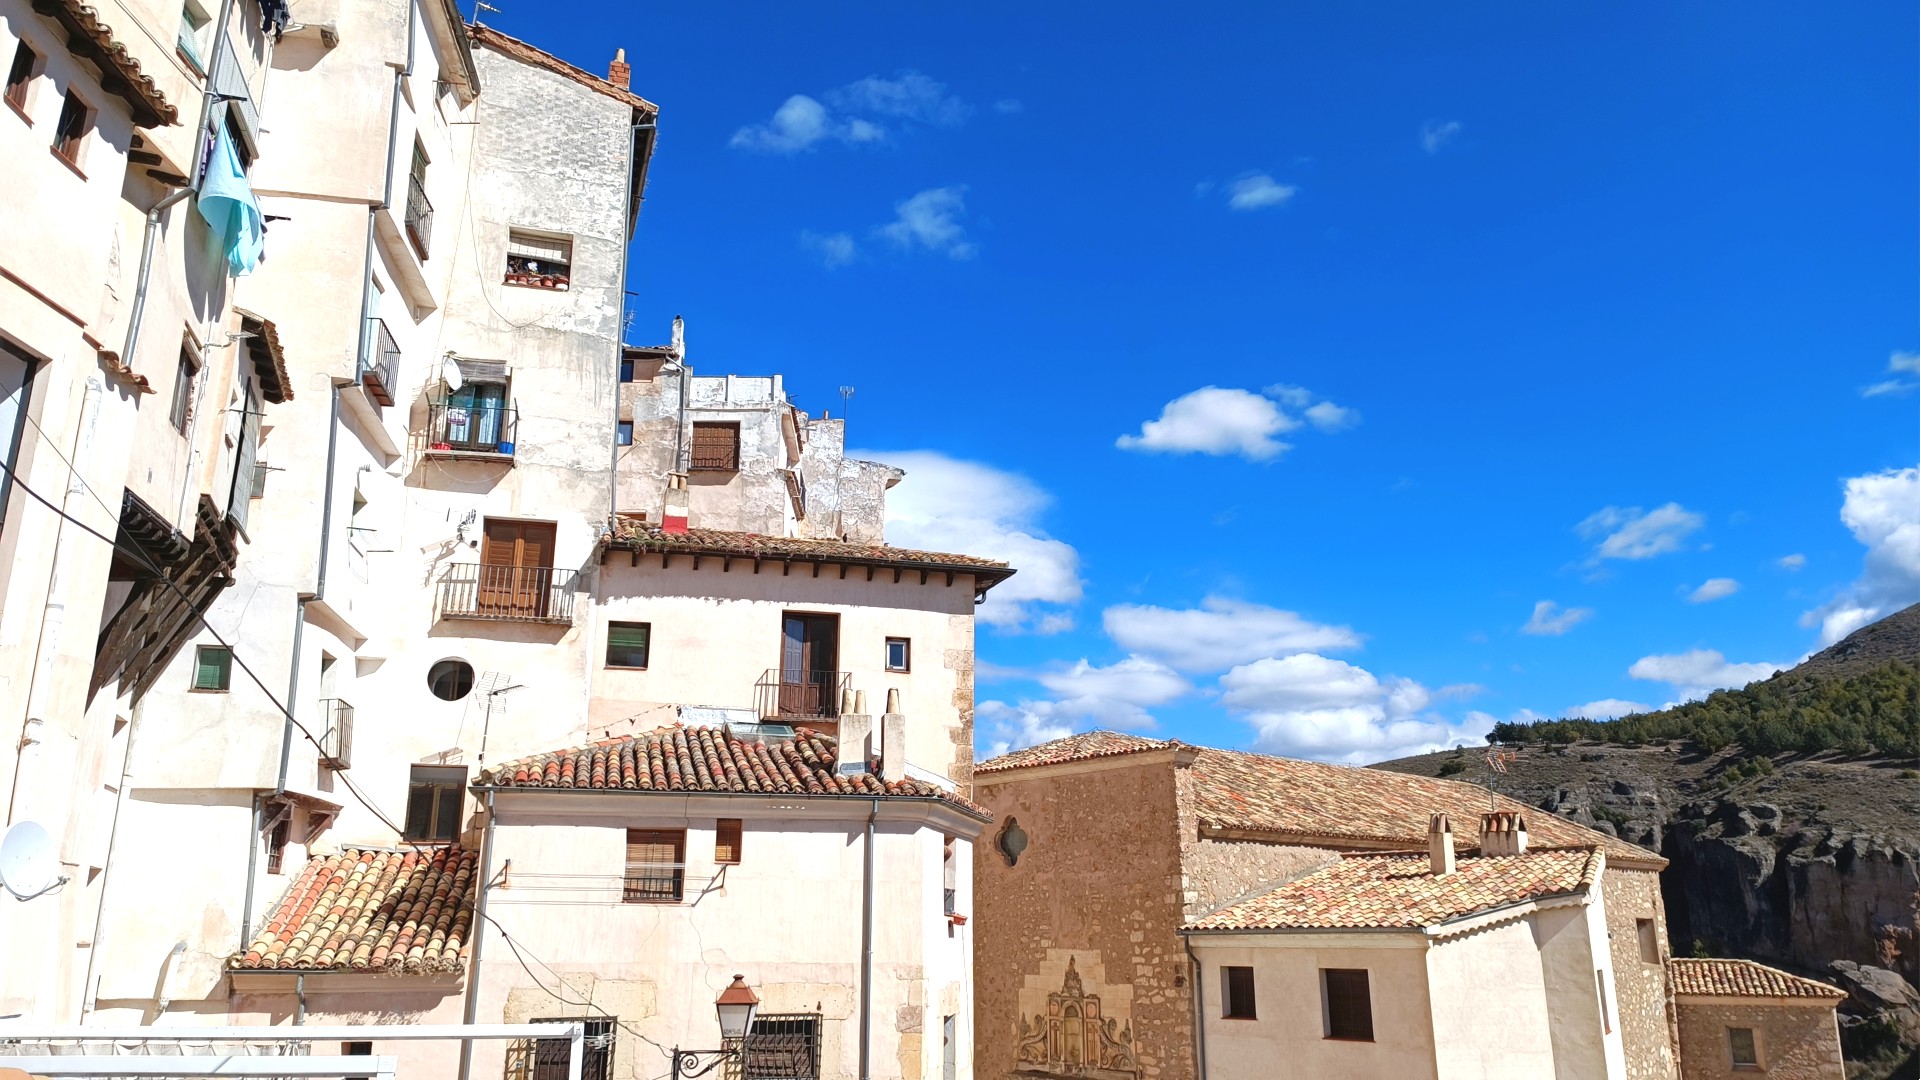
x,y
809,653
516,568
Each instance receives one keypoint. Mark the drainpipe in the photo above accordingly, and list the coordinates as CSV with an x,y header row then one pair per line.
x,y
146,268
299,999
479,941
106,878
1199,1012
253,857
206,100
620,332
866,952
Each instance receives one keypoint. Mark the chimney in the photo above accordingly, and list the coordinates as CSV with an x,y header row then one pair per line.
x,y
618,73
679,338
856,742
1440,844
673,516
1503,833
893,741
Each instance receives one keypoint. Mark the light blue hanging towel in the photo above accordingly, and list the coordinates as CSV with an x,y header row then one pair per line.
x,y
227,202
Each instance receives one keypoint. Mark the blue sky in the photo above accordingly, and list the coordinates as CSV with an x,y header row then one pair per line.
x,y
1499,306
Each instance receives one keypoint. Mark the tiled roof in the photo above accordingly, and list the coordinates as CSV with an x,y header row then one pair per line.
x,y
638,536
1743,978
1402,891
400,912
90,39
1235,790
1081,747
528,54
699,759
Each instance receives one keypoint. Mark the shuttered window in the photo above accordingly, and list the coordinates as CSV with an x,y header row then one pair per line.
x,y
1348,1002
246,459
716,447
541,259
435,795
213,668
655,866
70,137
628,644
726,841
1743,1048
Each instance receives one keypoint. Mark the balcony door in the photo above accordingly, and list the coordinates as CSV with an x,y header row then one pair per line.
x,y
516,568
809,655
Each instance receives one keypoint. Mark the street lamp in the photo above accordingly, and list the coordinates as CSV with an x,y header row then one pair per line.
x,y
735,1008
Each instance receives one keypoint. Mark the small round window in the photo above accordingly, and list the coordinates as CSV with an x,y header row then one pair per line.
x,y
450,680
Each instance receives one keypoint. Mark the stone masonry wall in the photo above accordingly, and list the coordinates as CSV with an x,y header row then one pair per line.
x,y
1093,905
1640,988
1219,872
1796,1042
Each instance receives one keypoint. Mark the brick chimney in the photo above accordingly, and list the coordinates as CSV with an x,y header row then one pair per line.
x,y
1440,844
618,73
1503,833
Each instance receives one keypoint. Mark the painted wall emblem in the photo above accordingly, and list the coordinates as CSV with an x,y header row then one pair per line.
x,y
1075,1034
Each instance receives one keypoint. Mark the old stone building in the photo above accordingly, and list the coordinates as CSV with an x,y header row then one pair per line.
x,y
1737,1018
1106,845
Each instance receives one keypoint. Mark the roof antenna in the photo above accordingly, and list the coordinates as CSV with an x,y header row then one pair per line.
x,y
492,685
1497,759
480,6
846,403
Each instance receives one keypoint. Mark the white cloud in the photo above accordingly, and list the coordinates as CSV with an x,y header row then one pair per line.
x,y
1697,673
1435,134
1889,387
798,123
1312,706
930,220
1085,696
1293,397
1257,191
1631,533
1883,512
1899,364
1794,562
1008,106
1327,416
1011,727
946,504
860,113
1548,620
1220,633
1608,709
909,95
1713,589
1213,420
833,249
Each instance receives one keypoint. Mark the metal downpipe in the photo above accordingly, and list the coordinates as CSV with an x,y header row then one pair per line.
x,y
866,952
1199,1013
146,269
479,941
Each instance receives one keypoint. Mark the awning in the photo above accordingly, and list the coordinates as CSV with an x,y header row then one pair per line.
x,y
269,361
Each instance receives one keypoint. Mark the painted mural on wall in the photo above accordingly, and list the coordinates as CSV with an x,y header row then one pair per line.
x,y
1075,1031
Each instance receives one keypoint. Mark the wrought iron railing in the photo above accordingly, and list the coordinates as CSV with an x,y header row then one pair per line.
x,y
801,695
507,593
336,737
381,371
482,428
783,1046
419,215
654,883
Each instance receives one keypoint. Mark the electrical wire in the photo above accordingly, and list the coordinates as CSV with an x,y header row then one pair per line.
x,y
514,947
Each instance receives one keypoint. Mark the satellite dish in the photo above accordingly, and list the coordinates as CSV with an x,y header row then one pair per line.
x,y
28,865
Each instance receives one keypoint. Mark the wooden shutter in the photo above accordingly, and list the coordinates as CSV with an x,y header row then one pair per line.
x,y
654,872
211,669
716,447
1349,1004
246,461
726,841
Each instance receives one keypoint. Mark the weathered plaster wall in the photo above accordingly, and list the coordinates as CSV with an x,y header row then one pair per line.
x,y
1796,1042
1488,973
1099,883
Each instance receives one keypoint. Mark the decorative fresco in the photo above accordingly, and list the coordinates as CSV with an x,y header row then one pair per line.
x,y
1083,1029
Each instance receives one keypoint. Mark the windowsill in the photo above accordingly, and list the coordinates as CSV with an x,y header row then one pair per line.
x,y
1345,1038
656,903
713,468
193,65
20,112
67,161
469,455
206,690
899,671
428,839
625,667
1246,1018
558,286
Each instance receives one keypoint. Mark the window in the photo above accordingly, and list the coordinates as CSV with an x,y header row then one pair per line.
x,y
950,875
182,410
1236,993
70,137
16,384
1348,1003
899,653
450,680
541,260
419,210
656,866
213,668
783,1046
1744,1048
627,644
549,1056
277,846
357,1049
626,369
1649,941
20,77
726,841
193,22
435,795
949,1047
1606,1014
716,447
623,433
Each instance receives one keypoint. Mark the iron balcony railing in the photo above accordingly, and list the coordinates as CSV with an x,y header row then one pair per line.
x,y
381,372
507,593
336,736
480,428
419,215
654,883
801,695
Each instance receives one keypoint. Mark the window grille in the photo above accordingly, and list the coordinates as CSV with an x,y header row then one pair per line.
x,y
783,1046
546,1059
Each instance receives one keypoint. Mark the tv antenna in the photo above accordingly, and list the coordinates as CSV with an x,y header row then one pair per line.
x,y
846,402
1498,759
480,6
29,866
492,685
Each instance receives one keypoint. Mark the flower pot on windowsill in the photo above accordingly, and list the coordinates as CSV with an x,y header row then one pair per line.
x,y
441,446
506,448
956,918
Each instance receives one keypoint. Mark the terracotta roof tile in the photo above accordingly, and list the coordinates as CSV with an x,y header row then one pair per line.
x,y
529,54
1743,978
637,536
1081,747
1402,892
682,758
93,40
400,912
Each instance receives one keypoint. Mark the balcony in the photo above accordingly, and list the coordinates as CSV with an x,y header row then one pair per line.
x,y
336,736
483,430
801,695
380,371
541,594
419,215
